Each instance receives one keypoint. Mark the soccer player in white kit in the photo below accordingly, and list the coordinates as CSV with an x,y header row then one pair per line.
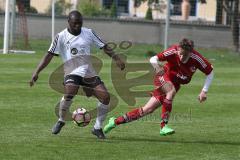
x,y
73,45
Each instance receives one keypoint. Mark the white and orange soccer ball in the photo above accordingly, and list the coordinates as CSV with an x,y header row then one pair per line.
x,y
81,117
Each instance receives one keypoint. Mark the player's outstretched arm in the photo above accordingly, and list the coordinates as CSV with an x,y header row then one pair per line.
x,y
203,94
108,50
157,65
43,63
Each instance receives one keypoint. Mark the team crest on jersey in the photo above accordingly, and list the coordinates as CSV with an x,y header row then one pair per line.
x,y
193,68
74,51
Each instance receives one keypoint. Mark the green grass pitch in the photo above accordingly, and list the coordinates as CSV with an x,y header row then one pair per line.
x,y
208,131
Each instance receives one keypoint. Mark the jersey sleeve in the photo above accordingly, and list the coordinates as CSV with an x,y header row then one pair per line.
x,y
202,63
97,40
55,46
165,55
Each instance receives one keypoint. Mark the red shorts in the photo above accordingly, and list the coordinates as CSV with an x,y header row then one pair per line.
x,y
159,81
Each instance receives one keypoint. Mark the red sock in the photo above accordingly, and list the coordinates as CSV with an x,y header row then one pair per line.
x,y
166,110
129,116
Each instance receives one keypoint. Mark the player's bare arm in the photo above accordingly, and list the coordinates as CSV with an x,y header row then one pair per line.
x,y
43,63
108,50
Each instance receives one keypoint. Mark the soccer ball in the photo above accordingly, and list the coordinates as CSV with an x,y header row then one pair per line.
x,y
81,117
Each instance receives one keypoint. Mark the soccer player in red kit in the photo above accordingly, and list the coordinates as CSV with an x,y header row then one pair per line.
x,y
182,61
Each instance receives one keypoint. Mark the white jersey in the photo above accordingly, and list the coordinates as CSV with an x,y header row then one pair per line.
x,y
75,51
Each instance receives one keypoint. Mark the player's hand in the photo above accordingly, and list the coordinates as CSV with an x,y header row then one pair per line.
x,y
33,79
119,62
202,96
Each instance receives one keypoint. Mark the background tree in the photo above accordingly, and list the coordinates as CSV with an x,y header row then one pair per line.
x,y
113,9
60,7
92,8
148,15
232,9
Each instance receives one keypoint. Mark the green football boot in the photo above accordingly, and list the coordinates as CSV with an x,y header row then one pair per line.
x,y
111,124
166,131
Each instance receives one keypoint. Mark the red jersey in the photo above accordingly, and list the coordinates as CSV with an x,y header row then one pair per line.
x,y
179,72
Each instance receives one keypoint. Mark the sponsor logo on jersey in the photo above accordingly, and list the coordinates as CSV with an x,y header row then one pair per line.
x,y
74,51
181,76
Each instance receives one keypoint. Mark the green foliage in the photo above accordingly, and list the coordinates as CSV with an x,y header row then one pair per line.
x,y
31,10
88,9
104,13
60,7
114,9
149,14
92,10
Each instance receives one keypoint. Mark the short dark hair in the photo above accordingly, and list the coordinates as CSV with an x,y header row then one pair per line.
x,y
74,13
186,44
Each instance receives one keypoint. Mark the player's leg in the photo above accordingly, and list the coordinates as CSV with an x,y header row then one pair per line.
x,y
101,93
70,90
170,92
166,90
169,89
134,114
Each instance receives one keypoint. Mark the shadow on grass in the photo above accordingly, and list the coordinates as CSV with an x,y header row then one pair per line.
x,y
154,140
110,140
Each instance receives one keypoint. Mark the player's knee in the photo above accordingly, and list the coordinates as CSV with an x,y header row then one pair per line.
x,y
171,93
68,97
105,99
148,110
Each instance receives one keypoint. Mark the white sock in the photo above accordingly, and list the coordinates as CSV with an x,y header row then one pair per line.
x,y
101,115
64,109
